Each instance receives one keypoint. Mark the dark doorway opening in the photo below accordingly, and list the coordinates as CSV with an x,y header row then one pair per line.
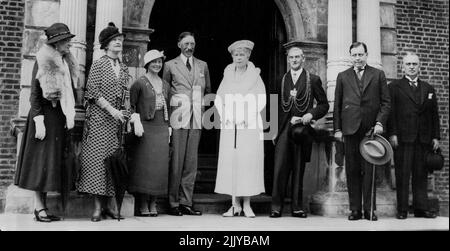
x,y
216,25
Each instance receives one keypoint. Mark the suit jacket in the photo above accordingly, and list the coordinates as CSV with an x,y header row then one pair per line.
x,y
320,110
356,107
143,97
412,119
185,102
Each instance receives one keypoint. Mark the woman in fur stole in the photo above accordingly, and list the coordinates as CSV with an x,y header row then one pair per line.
x,y
52,114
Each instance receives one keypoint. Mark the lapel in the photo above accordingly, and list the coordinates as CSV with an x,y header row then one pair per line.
x,y
196,69
179,64
301,82
423,91
352,81
406,89
367,76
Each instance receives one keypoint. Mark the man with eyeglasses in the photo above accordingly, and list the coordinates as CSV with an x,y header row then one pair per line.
x,y
362,102
413,129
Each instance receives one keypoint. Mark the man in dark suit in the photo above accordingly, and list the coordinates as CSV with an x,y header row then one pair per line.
x,y
362,102
297,93
414,129
189,81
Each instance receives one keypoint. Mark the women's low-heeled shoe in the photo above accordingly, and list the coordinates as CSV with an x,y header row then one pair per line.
x,y
40,218
248,212
230,213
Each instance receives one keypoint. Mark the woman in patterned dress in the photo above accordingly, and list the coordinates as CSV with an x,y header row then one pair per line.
x,y
108,78
149,165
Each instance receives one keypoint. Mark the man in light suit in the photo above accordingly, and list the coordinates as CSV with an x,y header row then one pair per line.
x,y
362,102
414,130
189,81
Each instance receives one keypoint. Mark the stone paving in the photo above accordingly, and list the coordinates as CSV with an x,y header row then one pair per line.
x,y
214,222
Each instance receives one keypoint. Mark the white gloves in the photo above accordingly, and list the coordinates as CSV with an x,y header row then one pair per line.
x,y
40,127
138,128
118,115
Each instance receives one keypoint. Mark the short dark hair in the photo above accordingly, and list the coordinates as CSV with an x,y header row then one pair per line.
x,y
357,44
185,34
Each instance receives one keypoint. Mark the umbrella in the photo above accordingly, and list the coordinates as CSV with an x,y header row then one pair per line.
x,y
116,164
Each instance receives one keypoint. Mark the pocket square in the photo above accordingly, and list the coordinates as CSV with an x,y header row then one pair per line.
x,y
430,95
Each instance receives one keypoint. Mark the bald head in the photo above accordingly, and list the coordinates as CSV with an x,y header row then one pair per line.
x,y
411,65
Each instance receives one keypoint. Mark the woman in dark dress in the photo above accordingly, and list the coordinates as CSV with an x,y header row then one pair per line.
x,y
108,79
149,169
52,114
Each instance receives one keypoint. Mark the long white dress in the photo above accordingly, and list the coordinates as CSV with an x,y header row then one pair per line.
x,y
245,163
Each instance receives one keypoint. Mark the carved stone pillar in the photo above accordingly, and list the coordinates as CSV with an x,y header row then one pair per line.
x,y
107,11
368,29
74,13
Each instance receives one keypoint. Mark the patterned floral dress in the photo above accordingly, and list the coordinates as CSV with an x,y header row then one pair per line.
x,y
100,135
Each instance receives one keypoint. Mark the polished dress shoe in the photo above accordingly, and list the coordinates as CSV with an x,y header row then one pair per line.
x,y
424,214
175,211
41,218
275,214
367,216
402,215
108,213
299,214
189,210
355,215
153,213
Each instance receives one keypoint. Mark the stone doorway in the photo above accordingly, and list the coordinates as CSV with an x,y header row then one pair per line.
x,y
217,24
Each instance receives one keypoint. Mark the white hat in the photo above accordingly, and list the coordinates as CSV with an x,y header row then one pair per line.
x,y
241,44
152,55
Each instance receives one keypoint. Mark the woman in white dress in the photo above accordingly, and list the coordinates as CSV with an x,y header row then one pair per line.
x,y
240,99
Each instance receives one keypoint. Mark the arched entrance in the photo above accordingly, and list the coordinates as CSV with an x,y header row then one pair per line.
x,y
217,24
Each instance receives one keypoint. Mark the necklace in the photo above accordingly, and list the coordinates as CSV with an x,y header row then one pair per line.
x,y
300,103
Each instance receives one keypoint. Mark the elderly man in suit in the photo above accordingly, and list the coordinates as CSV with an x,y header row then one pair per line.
x,y
362,102
189,81
297,92
414,129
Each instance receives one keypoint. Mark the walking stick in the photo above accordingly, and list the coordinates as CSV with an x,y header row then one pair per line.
x,y
233,172
371,194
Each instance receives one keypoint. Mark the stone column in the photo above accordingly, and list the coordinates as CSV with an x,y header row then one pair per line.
x,y
74,14
107,11
332,200
339,41
368,29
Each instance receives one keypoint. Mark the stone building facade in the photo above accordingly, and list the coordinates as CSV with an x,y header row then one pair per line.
x,y
324,28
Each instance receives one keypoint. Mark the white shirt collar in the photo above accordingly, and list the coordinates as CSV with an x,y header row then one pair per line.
x,y
363,68
412,80
184,59
298,72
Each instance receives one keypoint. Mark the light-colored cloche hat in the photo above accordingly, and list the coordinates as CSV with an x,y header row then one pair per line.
x,y
152,55
376,150
241,44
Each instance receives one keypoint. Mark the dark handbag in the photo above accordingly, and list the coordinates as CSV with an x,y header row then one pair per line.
x,y
434,160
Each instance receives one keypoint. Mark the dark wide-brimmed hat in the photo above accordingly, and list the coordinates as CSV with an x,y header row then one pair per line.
x,y
108,34
434,160
301,133
57,32
376,150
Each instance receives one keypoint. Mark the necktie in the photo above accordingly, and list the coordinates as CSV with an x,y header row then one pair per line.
x,y
413,84
359,72
294,77
188,65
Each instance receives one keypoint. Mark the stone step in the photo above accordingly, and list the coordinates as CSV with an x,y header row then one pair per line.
x,y
325,204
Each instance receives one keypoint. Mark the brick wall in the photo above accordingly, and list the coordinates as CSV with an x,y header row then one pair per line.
x,y
422,27
11,31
